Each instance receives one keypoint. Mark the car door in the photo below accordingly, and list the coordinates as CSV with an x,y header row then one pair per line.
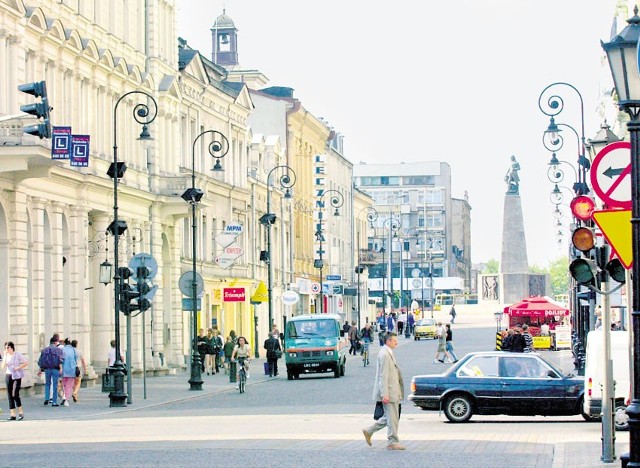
x,y
530,386
480,376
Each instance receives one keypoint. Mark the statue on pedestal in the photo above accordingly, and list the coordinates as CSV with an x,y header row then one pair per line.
x,y
512,179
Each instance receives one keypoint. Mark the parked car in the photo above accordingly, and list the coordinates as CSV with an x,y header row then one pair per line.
x,y
424,328
498,382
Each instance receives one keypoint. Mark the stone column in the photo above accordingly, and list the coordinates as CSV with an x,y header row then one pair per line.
x,y
514,265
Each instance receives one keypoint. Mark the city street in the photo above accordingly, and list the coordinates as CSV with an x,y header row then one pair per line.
x,y
313,422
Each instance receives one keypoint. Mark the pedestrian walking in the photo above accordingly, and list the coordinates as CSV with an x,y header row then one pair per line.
x,y
217,345
202,343
449,346
388,388
391,322
50,362
411,322
69,365
402,318
442,344
453,314
79,360
15,364
353,338
228,352
272,345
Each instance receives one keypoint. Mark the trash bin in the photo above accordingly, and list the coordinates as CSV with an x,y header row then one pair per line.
x,y
266,368
232,372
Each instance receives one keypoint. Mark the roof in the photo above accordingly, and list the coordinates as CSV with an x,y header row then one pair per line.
x,y
537,306
223,21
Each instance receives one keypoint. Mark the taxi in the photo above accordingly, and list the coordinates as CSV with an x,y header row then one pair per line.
x,y
424,328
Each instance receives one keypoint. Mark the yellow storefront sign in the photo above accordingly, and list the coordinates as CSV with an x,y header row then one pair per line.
x,y
542,342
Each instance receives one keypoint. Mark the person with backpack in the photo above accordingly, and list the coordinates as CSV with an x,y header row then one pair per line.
x,y
50,362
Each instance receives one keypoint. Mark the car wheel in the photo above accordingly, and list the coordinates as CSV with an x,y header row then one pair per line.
x,y
342,369
621,418
289,375
415,338
336,371
458,408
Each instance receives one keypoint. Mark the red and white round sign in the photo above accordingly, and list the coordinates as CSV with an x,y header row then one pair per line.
x,y
611,175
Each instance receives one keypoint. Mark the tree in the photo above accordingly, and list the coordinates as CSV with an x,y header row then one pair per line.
x,y
490,267
559,272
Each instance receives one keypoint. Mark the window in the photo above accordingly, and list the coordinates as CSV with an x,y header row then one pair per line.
x,y
480,366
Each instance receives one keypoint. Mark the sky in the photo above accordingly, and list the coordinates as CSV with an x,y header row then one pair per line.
x,y
455,81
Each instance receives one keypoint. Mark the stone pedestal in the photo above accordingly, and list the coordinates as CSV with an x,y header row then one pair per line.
x,y
514,265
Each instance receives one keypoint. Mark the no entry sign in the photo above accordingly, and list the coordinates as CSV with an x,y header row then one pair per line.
x,y
611,175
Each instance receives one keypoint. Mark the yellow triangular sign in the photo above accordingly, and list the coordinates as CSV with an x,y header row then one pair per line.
x,y
260,294
616,227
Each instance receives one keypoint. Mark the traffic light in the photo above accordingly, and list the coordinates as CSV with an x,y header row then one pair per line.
x,y
127,293
584,270
144,287
39,109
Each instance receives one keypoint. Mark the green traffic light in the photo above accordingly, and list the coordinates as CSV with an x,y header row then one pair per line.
x,y
583,271
616,270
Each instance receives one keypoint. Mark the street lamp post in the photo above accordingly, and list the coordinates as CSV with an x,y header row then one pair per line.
x,y
217,149
372,215
143,115
623,60
287,180
336,200
393,225
551,104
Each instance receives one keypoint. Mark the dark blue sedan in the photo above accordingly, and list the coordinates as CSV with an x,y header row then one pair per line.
x,y
516,384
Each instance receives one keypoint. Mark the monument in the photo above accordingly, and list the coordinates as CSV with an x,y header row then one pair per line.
x,y
513,281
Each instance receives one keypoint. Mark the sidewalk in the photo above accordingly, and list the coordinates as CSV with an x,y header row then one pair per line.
x,y
160,390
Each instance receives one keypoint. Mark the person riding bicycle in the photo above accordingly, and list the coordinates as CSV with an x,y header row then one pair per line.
x,y
242,352
366,335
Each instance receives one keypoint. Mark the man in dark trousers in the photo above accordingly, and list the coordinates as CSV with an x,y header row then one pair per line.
x,y
272,345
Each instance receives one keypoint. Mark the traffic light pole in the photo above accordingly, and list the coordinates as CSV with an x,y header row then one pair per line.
x,y
608,432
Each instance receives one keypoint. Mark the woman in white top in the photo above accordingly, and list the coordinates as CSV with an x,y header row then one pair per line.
x,y
14,363
242,351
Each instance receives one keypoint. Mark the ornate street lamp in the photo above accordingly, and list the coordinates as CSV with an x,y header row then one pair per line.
x,y
287,181
393,225
143,115
336,200
372,216
218,148
623,60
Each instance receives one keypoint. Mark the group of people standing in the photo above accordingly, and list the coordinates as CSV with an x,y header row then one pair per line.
x,y
211,350
518,340
60,362
394,322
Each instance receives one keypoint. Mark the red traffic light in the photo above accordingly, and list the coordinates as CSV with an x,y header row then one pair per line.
x,y
582,207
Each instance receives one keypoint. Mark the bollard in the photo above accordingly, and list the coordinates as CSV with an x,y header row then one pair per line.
x,y
498,341
233,378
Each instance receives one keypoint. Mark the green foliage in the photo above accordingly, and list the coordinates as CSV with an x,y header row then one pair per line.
x,y
559,272
490,267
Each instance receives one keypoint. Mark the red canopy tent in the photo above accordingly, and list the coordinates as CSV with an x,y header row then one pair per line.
x,y
537,306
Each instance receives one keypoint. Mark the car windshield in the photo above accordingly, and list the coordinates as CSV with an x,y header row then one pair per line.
x,y
426,322
310,328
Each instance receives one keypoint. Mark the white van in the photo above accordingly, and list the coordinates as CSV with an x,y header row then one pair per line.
x,y
594,375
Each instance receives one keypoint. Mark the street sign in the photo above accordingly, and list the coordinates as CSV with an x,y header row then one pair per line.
x,y
611,175
315,288
229,234
337,288
290,297
187,303
144,259
229,255
616,228
185,283
333,277
415,273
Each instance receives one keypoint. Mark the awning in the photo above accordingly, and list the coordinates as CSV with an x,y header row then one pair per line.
x,y
537,306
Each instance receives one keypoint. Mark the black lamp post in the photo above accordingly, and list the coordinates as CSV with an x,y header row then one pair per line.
x,y
336,200
393,225
142,114
372,215
623,60
287,180
217,148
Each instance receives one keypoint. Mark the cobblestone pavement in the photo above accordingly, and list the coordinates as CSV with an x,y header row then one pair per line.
x,y
177,427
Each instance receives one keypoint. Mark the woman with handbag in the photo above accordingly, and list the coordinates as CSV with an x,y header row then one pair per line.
x,y
274,352
14,363
79,360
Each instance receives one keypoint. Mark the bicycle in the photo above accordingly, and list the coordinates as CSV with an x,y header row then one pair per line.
x,y
242,375
365,352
